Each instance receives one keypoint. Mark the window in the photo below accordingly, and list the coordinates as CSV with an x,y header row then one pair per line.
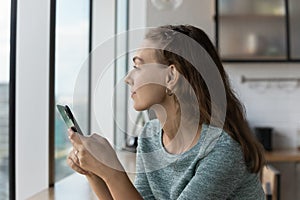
x,y
71,73
4,97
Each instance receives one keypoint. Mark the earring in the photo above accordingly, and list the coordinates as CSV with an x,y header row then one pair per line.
x,y
169,92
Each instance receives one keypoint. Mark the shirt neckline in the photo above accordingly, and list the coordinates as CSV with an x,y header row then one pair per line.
x,y
196,146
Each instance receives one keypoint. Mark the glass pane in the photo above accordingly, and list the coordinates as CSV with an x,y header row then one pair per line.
x,y
71,74
243,33
4,95
265,7
294,7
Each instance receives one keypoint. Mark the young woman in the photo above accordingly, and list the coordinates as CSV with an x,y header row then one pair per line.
x,y
199,147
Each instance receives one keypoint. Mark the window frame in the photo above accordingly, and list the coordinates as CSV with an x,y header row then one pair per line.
x,y
12,101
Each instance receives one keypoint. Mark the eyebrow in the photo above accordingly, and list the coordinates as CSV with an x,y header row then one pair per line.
x,y
138,58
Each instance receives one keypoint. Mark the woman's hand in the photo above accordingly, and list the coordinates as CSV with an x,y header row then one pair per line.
x,y
73,162
94,154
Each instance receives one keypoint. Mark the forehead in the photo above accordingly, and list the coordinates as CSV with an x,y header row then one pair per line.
x,y
146,55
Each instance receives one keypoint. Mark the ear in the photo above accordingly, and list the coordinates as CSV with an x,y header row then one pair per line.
x,y
172,77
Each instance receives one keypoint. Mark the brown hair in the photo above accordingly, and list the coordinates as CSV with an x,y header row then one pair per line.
x,y
235,123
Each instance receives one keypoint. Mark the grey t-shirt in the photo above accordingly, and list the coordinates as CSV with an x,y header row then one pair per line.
x,y
212,169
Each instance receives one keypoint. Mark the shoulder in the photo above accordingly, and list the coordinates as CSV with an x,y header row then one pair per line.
x,y
228,144
220,148
214,138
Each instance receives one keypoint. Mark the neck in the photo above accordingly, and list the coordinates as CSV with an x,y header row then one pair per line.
x,y
179,134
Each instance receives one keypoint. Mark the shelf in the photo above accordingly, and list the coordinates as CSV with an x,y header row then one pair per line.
x,y
252,57
260,61
286,155
251,16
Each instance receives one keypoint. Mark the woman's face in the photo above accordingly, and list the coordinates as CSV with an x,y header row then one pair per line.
x,y
147,80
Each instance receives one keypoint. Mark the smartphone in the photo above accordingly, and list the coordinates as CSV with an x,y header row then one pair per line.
x,y
69,118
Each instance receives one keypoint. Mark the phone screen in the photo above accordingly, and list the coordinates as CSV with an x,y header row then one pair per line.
x,y
68,118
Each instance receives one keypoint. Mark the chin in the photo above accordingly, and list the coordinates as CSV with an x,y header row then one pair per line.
x,y
140,107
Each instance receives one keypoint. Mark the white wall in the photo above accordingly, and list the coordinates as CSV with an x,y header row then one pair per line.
x,y
270,104
32,95
193,12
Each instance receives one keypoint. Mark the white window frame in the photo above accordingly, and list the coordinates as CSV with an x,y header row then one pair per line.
x,y
32,97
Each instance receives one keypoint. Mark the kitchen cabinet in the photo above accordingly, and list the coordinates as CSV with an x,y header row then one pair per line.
x,y
255,30
294,19
287,161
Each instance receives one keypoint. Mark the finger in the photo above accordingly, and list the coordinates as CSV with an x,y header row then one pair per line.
x,y
75,163
75,167
74,157
75,139
70,131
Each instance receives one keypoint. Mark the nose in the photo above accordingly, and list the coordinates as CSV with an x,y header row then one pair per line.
x,y
128,79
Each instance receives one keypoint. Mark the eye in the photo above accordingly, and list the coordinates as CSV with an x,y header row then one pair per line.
x,y
134,66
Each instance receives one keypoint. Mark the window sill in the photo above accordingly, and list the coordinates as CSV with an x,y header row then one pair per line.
x,y
76,186
73,187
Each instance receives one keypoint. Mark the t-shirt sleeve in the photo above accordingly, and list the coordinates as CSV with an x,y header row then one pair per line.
x,y
141,182
142,185
217,175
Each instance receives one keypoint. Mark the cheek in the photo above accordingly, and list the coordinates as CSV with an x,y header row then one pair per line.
x,y
153,92
149,95
148,78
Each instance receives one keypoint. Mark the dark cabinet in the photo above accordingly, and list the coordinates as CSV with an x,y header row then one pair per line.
x,y
294,19
256,30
